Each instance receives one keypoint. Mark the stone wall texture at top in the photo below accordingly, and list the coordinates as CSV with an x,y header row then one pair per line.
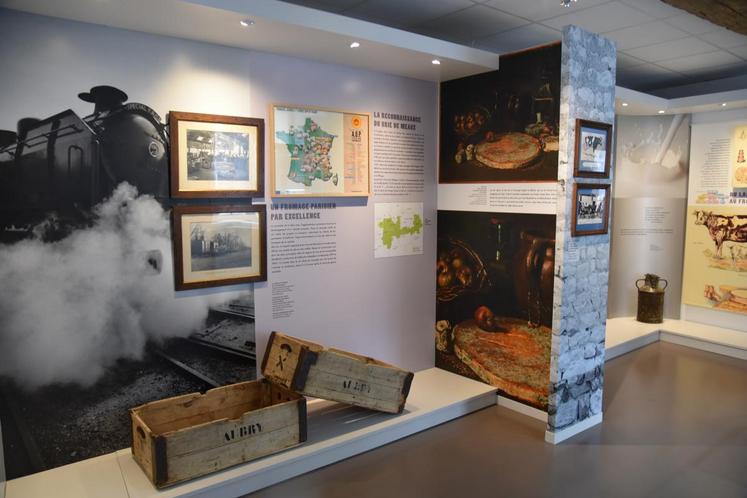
x,y
581,263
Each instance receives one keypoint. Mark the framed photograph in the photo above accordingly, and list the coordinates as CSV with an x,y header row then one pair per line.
x,y
319,152
593,146
219,245
216,156
591,210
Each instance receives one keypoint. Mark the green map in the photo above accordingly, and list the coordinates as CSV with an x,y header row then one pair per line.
x,y
309,148
391,229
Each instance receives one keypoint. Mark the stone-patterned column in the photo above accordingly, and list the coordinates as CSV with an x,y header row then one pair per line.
x,y
581,263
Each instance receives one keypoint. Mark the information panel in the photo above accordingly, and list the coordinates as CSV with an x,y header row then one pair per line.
x,y
715,271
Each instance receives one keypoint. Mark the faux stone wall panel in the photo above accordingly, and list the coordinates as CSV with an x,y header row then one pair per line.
x,y
580,298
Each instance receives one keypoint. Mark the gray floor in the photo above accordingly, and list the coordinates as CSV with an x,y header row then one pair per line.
x,y
675,424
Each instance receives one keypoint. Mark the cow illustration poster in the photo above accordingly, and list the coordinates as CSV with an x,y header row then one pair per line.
x,y
738,161
715,274
715,268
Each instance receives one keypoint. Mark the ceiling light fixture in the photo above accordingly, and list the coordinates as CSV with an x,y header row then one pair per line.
x,y
246,22
436,62
567,3
661,111
625,104
355,45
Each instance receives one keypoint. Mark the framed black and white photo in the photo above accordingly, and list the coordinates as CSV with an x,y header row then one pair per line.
x,y
591,209
219,245
216,156
593,146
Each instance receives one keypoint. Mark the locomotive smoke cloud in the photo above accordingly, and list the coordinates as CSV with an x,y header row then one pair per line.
x,y
70,309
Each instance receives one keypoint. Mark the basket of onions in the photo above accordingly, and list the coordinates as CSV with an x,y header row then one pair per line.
x,y
458,270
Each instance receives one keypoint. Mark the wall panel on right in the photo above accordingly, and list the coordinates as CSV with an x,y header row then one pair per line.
x,y
715,267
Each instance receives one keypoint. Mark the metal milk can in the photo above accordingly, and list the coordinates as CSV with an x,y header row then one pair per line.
x,y
650,299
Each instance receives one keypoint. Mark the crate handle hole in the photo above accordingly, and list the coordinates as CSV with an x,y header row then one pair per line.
x,y
141,432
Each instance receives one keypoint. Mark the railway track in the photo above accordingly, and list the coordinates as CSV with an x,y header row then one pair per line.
x,y
235,310
211,364
232,352
185,369
27,458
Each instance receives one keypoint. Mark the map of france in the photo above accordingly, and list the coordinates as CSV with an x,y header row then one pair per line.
x,y
309,148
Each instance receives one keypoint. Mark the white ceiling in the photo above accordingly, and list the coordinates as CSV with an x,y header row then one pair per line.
x,y
279,28
659,46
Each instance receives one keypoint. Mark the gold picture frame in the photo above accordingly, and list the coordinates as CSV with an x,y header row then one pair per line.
x,y
219,245
319,152
216,156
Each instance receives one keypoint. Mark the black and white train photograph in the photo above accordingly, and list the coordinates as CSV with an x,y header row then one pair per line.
x,y
219,246
217,155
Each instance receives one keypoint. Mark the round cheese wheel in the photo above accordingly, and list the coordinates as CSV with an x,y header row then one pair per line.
x,y
509,151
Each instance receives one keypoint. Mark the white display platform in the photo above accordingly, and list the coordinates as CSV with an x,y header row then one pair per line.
x,y
626,334
95,477
335,432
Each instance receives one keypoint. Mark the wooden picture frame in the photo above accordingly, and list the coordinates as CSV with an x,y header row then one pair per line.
x,y
311,150
590,135
590,213
216,156
225,237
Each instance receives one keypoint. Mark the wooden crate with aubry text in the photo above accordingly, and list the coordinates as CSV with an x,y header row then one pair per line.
x,y
183,437
335,375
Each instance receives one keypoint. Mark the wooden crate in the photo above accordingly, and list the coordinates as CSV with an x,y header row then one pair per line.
x,y
314,370
187,436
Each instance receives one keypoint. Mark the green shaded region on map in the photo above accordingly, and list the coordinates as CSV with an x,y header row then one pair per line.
x,y
309,148
391,229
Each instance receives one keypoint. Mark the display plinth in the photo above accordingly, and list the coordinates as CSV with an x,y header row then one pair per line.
x,y
95,477
625,334
335,432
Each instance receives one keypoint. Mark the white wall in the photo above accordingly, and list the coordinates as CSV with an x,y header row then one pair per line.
x,y
648,222
383,308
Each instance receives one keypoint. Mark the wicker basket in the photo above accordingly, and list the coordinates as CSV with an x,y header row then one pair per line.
x,y
479,273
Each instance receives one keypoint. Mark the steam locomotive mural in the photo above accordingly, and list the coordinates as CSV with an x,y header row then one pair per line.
x,y
53,173
65,164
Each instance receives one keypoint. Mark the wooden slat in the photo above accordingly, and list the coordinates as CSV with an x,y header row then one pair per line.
x,y
196,434
192,409
142,446
250,426
335,375
334,362
196,464
364,359
282,357
357,392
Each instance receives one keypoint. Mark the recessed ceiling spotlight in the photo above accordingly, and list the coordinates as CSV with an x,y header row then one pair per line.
x,y
246,22
625,104
661,111
355,45
567,3
436,62
723,104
